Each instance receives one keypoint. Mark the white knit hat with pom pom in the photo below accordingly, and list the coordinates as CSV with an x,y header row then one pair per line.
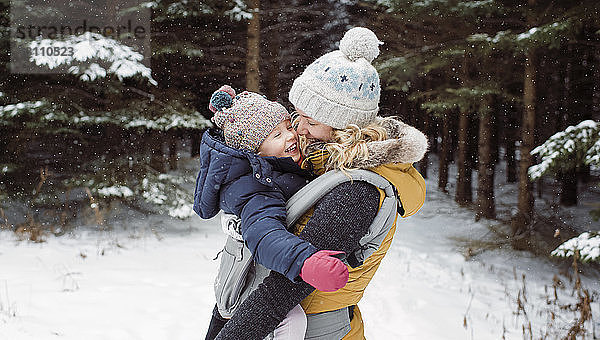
x,y
342,87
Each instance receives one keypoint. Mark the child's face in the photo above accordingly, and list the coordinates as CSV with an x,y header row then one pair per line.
x,y
281,142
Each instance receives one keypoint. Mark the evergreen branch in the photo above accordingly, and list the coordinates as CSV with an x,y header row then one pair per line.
x,y
568,149
587,245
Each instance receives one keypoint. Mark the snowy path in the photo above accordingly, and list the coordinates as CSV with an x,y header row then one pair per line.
x,y
145,285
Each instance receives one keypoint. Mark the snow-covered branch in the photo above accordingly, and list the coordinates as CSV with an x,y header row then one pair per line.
x,y
43,112
588,245
89,51
240,11
159,193
576,145
15,110
551,35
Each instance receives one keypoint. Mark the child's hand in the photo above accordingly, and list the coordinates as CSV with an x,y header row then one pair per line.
x,y
324,271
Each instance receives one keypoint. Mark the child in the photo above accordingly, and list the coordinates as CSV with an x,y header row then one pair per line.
x,y
249,169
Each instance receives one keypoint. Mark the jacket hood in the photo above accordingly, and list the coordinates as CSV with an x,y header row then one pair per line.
x,y
393,158
405,144
221,165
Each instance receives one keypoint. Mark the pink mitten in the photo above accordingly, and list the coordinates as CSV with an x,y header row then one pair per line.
x,y
325,272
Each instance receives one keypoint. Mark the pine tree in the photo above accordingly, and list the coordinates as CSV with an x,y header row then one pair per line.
x,y
252,65
449,60
526,200
485,190
568,150
116,130
500,45
444,156
103,123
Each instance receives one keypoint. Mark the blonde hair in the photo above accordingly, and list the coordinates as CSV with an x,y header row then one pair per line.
x,y
349,146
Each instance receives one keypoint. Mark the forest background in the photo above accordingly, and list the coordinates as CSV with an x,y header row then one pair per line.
x,y
488,81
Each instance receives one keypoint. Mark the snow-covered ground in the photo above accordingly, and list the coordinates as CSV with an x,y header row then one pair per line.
x,y
151,278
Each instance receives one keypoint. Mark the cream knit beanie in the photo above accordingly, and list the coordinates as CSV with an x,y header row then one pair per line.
x,y
342,87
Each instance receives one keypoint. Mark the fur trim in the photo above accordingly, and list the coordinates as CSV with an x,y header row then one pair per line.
x,y
405,144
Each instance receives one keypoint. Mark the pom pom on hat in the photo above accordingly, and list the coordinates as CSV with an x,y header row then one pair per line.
x,y
342,87
221,98
228,89
360,42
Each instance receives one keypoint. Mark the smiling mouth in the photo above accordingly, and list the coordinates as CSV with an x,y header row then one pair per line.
x,y
292,148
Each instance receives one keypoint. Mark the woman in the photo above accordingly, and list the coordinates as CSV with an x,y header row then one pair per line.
x,y
337,100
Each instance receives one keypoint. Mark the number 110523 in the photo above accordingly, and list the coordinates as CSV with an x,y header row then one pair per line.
x,y
50,51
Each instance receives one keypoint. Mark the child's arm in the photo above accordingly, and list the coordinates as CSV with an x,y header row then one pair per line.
x,y
265,235
262,213
268,305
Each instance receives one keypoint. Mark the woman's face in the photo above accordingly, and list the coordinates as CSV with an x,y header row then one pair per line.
x,y
311,129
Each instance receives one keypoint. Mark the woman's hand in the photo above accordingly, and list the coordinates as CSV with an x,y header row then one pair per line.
x,y
324,271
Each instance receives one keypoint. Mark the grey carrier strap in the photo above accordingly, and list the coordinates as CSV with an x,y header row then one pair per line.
x,y
309,195
238,275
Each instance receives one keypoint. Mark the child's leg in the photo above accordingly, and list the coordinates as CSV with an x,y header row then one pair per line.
x,y
265,308
216,324
293,326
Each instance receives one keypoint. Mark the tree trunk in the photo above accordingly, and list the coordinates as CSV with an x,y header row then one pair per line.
x,y
173,152
596,93
273,47
584,174
485,183
568,181
463,183
472,154
525,203
425,161
434,128
464,160
453,140
252,58
511,159
155,141
195,144
495,136
525,198
444,154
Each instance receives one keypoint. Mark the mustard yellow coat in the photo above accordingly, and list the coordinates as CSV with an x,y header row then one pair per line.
x,y
411,188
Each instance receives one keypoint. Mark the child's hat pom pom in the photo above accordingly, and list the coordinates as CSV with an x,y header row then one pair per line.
x,y
360,42
221,98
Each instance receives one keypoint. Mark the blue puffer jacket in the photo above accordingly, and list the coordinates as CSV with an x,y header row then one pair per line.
x,y
255,189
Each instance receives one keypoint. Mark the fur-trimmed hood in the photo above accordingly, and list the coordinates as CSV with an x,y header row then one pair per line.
x,y
404,144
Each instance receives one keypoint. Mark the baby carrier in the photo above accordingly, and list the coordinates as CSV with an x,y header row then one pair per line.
x,y
239,275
